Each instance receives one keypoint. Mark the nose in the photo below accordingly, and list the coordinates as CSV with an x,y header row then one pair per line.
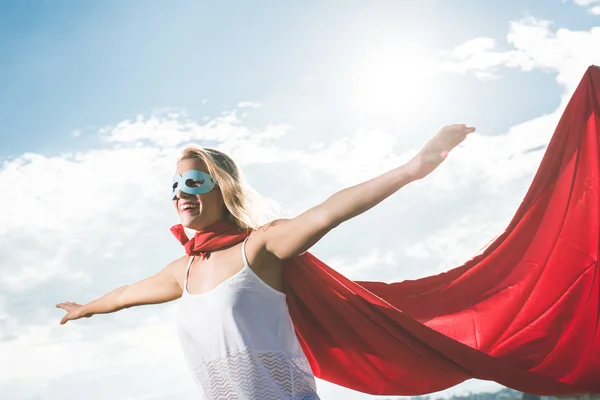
x,y
181,195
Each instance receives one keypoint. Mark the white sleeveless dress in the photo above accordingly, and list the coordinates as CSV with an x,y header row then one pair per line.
x,y
239,341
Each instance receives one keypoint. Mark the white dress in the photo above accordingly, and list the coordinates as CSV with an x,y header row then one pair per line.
x,y
239,341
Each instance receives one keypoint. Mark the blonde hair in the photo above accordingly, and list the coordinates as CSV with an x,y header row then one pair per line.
x,y
246,209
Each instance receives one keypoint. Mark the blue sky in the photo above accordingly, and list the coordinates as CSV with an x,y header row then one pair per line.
x,y
309,97
83,65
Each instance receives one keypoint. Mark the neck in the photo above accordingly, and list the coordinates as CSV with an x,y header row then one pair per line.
x,y
202,225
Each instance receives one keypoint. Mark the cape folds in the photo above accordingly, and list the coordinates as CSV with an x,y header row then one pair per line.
x,y
524,313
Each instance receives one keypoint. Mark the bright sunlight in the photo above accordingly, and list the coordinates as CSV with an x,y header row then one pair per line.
x,y
393,81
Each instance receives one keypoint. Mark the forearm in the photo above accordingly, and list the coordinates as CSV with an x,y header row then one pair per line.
x,y
106,304
355,200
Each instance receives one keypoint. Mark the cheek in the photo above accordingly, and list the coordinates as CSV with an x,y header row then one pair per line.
x,y
213,200
218,196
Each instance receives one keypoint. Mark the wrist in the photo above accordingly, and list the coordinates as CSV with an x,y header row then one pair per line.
x,y
411,169
86,310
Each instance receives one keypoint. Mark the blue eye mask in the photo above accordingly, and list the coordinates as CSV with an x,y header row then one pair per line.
x,y
192,182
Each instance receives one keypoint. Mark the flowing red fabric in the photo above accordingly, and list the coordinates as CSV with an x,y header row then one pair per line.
x,y
524,313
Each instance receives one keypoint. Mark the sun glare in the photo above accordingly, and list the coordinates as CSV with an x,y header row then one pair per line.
x,y
393,81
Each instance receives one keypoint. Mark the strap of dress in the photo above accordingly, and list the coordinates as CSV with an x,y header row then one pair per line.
x,y
187,271
244,258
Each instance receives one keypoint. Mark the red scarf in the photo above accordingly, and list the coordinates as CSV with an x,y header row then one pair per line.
x,y
525,313
219,235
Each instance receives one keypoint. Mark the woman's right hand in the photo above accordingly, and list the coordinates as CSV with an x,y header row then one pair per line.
x,y
74,311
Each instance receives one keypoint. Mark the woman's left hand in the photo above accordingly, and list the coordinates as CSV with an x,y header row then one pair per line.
x,y
437,149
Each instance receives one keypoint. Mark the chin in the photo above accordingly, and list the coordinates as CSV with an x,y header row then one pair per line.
x,y
191,223
186,224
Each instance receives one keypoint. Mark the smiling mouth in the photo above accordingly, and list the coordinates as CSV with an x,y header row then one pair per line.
x,y
188,208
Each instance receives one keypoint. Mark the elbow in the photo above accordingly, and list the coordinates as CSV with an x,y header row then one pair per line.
x,y
330,218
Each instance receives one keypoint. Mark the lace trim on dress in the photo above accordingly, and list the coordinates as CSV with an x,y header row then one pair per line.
x,y
249,375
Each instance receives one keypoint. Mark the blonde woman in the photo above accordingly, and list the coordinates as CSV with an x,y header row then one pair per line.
x,y
235,329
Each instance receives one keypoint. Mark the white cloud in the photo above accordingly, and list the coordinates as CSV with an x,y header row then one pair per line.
x,y
352,158
535,44
248,104
44,355
486,76
478,55
473,46
585,2
362,268
174,129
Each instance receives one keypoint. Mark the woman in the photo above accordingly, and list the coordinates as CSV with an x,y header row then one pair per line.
x,y
234,325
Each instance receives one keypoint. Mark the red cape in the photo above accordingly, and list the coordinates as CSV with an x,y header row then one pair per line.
x,y
525,313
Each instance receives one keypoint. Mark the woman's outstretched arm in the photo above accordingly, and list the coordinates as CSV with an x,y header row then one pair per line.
x,y
159,288
289,237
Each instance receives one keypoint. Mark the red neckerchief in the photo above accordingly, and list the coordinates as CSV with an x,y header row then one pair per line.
x,y
218,235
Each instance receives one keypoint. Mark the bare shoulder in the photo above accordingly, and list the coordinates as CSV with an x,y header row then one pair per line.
x,y
177,268
289,237
260,235
256,249
264,263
